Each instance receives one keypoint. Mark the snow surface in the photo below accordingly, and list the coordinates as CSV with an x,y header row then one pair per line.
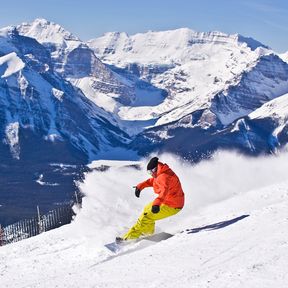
x,y
284,56
57,93
235,213
42,183
141,47
12,64
48,32
276,108
12,138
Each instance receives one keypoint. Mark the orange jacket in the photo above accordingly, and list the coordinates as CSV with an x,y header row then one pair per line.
x,y
167,186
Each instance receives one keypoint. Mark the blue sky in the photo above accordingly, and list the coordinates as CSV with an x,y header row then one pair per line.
x,y
264,20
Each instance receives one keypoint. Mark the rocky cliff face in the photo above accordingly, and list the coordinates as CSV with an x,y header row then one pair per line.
x,y
268,79
76,62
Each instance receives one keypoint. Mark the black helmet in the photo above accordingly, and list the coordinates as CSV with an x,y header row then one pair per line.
x,y
153,163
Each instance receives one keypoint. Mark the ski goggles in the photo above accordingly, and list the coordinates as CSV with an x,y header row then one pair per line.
x,y
152,171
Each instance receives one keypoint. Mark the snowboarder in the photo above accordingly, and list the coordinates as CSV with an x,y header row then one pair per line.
x,y
169,202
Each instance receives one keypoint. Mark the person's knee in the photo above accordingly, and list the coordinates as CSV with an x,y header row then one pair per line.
x,y
148,207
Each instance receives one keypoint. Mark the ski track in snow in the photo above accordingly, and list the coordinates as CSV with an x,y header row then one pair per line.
x,y
236,216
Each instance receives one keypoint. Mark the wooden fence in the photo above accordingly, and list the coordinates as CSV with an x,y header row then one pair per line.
x,y
30,227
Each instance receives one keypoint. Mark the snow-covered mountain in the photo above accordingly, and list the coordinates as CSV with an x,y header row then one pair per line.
x,y
198,71
74,60
277,108
273,117
235,231
164,78
210,79
44,119
155,83
35,98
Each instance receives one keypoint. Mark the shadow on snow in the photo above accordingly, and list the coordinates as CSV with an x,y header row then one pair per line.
x,y
216,226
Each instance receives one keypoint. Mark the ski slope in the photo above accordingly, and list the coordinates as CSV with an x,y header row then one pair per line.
x,y
235,222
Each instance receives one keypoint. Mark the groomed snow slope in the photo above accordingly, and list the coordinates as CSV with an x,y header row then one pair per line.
x,y
244,202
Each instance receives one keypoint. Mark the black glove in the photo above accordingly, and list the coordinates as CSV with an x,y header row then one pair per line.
x,y
137,192
155,209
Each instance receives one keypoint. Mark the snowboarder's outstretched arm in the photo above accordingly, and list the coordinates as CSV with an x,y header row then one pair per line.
x,y
145,184
142,185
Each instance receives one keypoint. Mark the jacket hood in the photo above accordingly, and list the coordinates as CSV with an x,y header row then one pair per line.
x,y
162,168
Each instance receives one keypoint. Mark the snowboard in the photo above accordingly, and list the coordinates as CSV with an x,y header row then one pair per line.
x,y
158,237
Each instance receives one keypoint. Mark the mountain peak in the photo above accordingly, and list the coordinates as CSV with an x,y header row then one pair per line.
x,y
46,32
4,32
41,21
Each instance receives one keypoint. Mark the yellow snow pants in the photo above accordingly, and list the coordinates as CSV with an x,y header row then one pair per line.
x,y
145,224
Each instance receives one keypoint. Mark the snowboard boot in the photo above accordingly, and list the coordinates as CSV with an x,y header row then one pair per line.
x,y
119,240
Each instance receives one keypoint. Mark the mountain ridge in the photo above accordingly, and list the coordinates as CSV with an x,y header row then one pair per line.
x,y
238,85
